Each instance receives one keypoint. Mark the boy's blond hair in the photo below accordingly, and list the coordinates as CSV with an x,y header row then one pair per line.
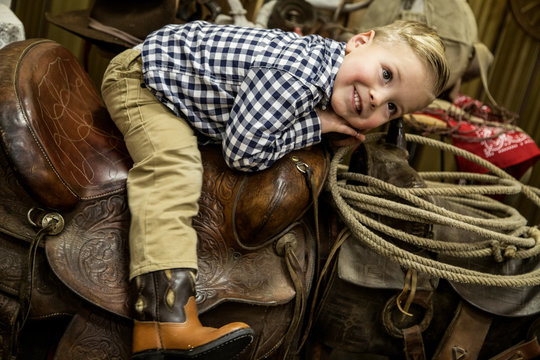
x,y
426,44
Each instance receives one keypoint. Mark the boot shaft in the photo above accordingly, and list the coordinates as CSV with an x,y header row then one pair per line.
x,y
166,322
162,295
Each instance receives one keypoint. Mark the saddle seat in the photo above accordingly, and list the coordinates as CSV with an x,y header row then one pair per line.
x,y
67,154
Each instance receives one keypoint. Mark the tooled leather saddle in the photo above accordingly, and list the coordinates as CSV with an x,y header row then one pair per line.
x,y
63,161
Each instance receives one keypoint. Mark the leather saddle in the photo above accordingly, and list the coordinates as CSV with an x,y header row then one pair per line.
x,y
65,157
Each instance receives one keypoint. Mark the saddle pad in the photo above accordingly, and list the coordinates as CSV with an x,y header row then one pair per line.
x,y
55,130
362,266
503,301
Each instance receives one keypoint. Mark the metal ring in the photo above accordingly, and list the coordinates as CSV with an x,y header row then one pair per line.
x,y
29,217
300,165
391,327
53,220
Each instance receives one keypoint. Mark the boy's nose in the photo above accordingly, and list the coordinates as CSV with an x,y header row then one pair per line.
x,y
373,99
377,97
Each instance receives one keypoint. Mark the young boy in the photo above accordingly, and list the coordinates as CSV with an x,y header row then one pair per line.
x,y
260,93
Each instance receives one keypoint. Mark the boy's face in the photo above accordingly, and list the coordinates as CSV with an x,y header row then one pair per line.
x,y
377,83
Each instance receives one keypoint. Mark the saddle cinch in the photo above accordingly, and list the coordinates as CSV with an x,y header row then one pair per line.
x,y
64,219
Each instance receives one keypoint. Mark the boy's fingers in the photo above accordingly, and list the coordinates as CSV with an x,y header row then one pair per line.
x,y
354,133
360,137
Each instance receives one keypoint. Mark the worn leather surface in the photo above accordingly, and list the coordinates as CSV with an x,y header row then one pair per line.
x,y
465,335
10,310
61,151
502,301
50,296
269,201
91,256
55,128
15,204
95,334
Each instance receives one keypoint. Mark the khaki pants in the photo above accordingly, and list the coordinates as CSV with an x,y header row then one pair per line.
x,y
165,182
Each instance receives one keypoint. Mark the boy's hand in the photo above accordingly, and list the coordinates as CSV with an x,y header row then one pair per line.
x,y
331,123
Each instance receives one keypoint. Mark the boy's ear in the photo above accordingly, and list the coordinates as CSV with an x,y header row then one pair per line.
x,y
359,39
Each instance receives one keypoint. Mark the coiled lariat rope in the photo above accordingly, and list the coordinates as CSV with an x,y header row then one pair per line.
x,y
505,231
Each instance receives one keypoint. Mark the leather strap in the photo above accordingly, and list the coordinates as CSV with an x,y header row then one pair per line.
x,y
465,335
414,345
50,223
296,274
342,236
522,351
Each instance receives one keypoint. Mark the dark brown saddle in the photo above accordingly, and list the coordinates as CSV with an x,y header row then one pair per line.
x,y
65,162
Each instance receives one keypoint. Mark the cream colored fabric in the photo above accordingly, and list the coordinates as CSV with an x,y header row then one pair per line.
x,y
165,182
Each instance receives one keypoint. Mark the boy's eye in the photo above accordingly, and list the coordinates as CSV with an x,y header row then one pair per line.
x,y
392,108
387,75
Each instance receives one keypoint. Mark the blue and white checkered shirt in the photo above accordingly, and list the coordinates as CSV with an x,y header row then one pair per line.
x,y
254,90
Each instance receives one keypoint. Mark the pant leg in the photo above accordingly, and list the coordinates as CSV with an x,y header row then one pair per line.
x,y
165,182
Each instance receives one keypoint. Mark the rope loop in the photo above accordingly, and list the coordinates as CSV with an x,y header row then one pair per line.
x,y
502,231
534,233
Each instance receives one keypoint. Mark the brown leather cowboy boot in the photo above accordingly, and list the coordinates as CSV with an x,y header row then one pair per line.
x,y
167,326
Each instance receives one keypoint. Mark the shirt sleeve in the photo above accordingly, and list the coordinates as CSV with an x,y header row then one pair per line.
x,y
273,114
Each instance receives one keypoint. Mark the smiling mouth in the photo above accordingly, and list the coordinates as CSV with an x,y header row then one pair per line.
x,y
357,102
